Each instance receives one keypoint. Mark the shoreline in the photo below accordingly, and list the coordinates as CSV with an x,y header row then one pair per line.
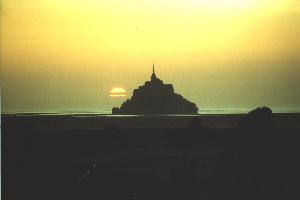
x,y
92,121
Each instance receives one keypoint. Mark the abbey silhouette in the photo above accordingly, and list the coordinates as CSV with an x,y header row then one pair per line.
x,y
155,97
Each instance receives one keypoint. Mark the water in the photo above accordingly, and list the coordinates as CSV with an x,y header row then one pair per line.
x,y
205,111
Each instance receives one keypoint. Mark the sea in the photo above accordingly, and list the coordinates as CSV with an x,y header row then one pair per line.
x,y
107,113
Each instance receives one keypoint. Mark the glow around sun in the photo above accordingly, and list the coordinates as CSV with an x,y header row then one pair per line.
x,y
118,92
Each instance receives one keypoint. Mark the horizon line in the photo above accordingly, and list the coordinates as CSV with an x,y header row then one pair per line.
x,y
202,111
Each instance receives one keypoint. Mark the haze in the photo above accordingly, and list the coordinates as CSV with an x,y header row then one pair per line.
x,y
60,55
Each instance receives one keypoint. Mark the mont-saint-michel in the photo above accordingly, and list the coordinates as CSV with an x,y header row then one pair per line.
x,y
155,97
64,63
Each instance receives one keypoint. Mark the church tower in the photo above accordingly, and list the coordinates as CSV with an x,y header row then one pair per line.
x,y
154,79
153,76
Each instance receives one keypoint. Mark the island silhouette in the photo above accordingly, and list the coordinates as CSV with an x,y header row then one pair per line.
x,y
155,97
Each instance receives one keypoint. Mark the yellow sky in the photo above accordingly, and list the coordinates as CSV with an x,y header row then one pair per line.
x,y
67,55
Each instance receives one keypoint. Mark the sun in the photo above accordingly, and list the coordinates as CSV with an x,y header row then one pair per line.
x,y
118,92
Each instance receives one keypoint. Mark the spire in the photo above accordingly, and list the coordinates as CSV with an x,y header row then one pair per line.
x,y
153,69
153,76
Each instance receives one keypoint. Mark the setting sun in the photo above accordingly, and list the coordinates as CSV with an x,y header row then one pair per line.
x,y
117,92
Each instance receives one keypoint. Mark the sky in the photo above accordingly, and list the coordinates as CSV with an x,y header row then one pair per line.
x,y
63,55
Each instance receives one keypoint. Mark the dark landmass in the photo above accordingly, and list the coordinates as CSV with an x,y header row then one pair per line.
x,y
155,97
150,157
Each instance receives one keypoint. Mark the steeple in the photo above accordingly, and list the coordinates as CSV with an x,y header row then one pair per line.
x,y
153,70
153,76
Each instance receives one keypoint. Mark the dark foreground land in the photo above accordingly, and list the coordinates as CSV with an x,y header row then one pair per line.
x,y
167,157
